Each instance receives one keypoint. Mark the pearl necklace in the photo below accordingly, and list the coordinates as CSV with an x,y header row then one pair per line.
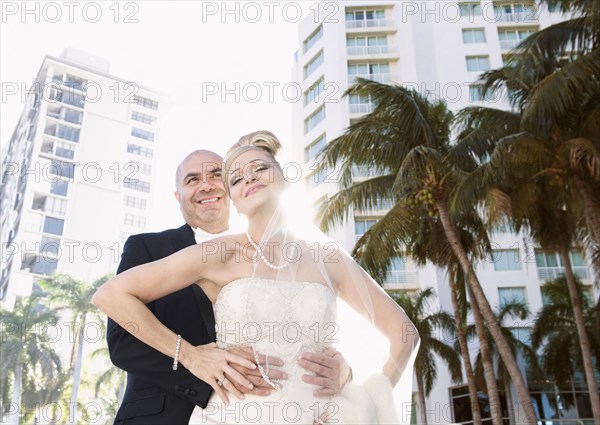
x,y
259,253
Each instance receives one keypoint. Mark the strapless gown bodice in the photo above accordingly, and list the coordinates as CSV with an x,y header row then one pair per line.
x,y
282,319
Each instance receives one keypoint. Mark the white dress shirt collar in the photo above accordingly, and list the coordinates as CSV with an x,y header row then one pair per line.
x,y
202,235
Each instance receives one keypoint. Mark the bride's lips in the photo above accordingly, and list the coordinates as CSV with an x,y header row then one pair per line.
x,y
254,189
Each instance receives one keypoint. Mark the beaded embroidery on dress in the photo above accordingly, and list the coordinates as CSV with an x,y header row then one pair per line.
x,y
283,319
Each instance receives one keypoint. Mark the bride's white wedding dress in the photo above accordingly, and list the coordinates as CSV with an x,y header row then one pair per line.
x,y
285,319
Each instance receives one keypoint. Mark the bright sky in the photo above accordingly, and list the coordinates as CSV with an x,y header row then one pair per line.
x,y
173,47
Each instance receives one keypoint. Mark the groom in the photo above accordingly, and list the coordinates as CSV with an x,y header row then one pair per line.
x,y
156,394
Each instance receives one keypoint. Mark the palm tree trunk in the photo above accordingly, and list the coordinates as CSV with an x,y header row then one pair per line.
x,y
77,373
488,365
509,401
486,310
422,406
464,350
584,340
13,418
590,206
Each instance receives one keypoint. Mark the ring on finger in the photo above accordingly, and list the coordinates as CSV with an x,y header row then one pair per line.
x,y
220,381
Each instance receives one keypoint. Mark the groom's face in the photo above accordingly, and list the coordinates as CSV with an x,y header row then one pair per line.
x,y
200,192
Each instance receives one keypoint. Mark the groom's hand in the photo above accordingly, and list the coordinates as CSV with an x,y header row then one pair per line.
x,y
268,363
331,369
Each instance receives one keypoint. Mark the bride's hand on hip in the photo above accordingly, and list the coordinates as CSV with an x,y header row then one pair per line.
x,y
214,366
269,365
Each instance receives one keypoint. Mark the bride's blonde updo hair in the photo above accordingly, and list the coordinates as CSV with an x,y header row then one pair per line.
x,y
259,140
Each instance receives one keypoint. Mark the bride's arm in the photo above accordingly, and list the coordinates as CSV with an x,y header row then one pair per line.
x,y
362,293
123,299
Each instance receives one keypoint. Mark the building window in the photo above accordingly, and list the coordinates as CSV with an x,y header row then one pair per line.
x,y
361,104
44,266
314,63
64,150
509,39
365,18
59,187
140,150
74,82
379,72
146,119
515,12
53,225
470,9
135,184
134,202
314,92
145,102
314,148
315,119
509,295
315,179
506,259
62,169
67,133
55,206
142,134
361,227
68,97
550,265
49,246
138,167
476,94
312,39
371,45
478,63
65,114
399,273
473,35
135,220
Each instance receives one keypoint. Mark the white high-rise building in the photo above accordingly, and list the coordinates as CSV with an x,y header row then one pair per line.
x,y
439,48
77,173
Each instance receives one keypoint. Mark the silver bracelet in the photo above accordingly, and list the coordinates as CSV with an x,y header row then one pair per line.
x,y
263,373
176,357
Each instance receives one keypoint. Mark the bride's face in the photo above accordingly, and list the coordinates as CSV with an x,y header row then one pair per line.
x,y
255,182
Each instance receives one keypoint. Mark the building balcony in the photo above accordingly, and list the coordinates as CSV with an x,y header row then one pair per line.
x,y
79,85
366,171
550,273
509,44
524,17
361,108
381,208
401,277
380,78
371,23
384,52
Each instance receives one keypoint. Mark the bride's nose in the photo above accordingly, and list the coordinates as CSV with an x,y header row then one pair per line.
x,y
251,177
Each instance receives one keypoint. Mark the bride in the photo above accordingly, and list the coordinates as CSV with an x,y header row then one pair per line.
x,y
275,291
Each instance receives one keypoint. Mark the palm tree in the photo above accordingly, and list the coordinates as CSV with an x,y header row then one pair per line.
x,y
508,311
108,379
552,81
406,137
417,309
29,361
74,296
555,332
458,297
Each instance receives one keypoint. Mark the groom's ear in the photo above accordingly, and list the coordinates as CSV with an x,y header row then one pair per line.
x,y
176,193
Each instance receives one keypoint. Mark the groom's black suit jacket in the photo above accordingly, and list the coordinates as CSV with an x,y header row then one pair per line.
x,y
155,393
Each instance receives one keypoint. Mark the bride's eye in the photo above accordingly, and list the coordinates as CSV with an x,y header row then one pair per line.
x,y
235,181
